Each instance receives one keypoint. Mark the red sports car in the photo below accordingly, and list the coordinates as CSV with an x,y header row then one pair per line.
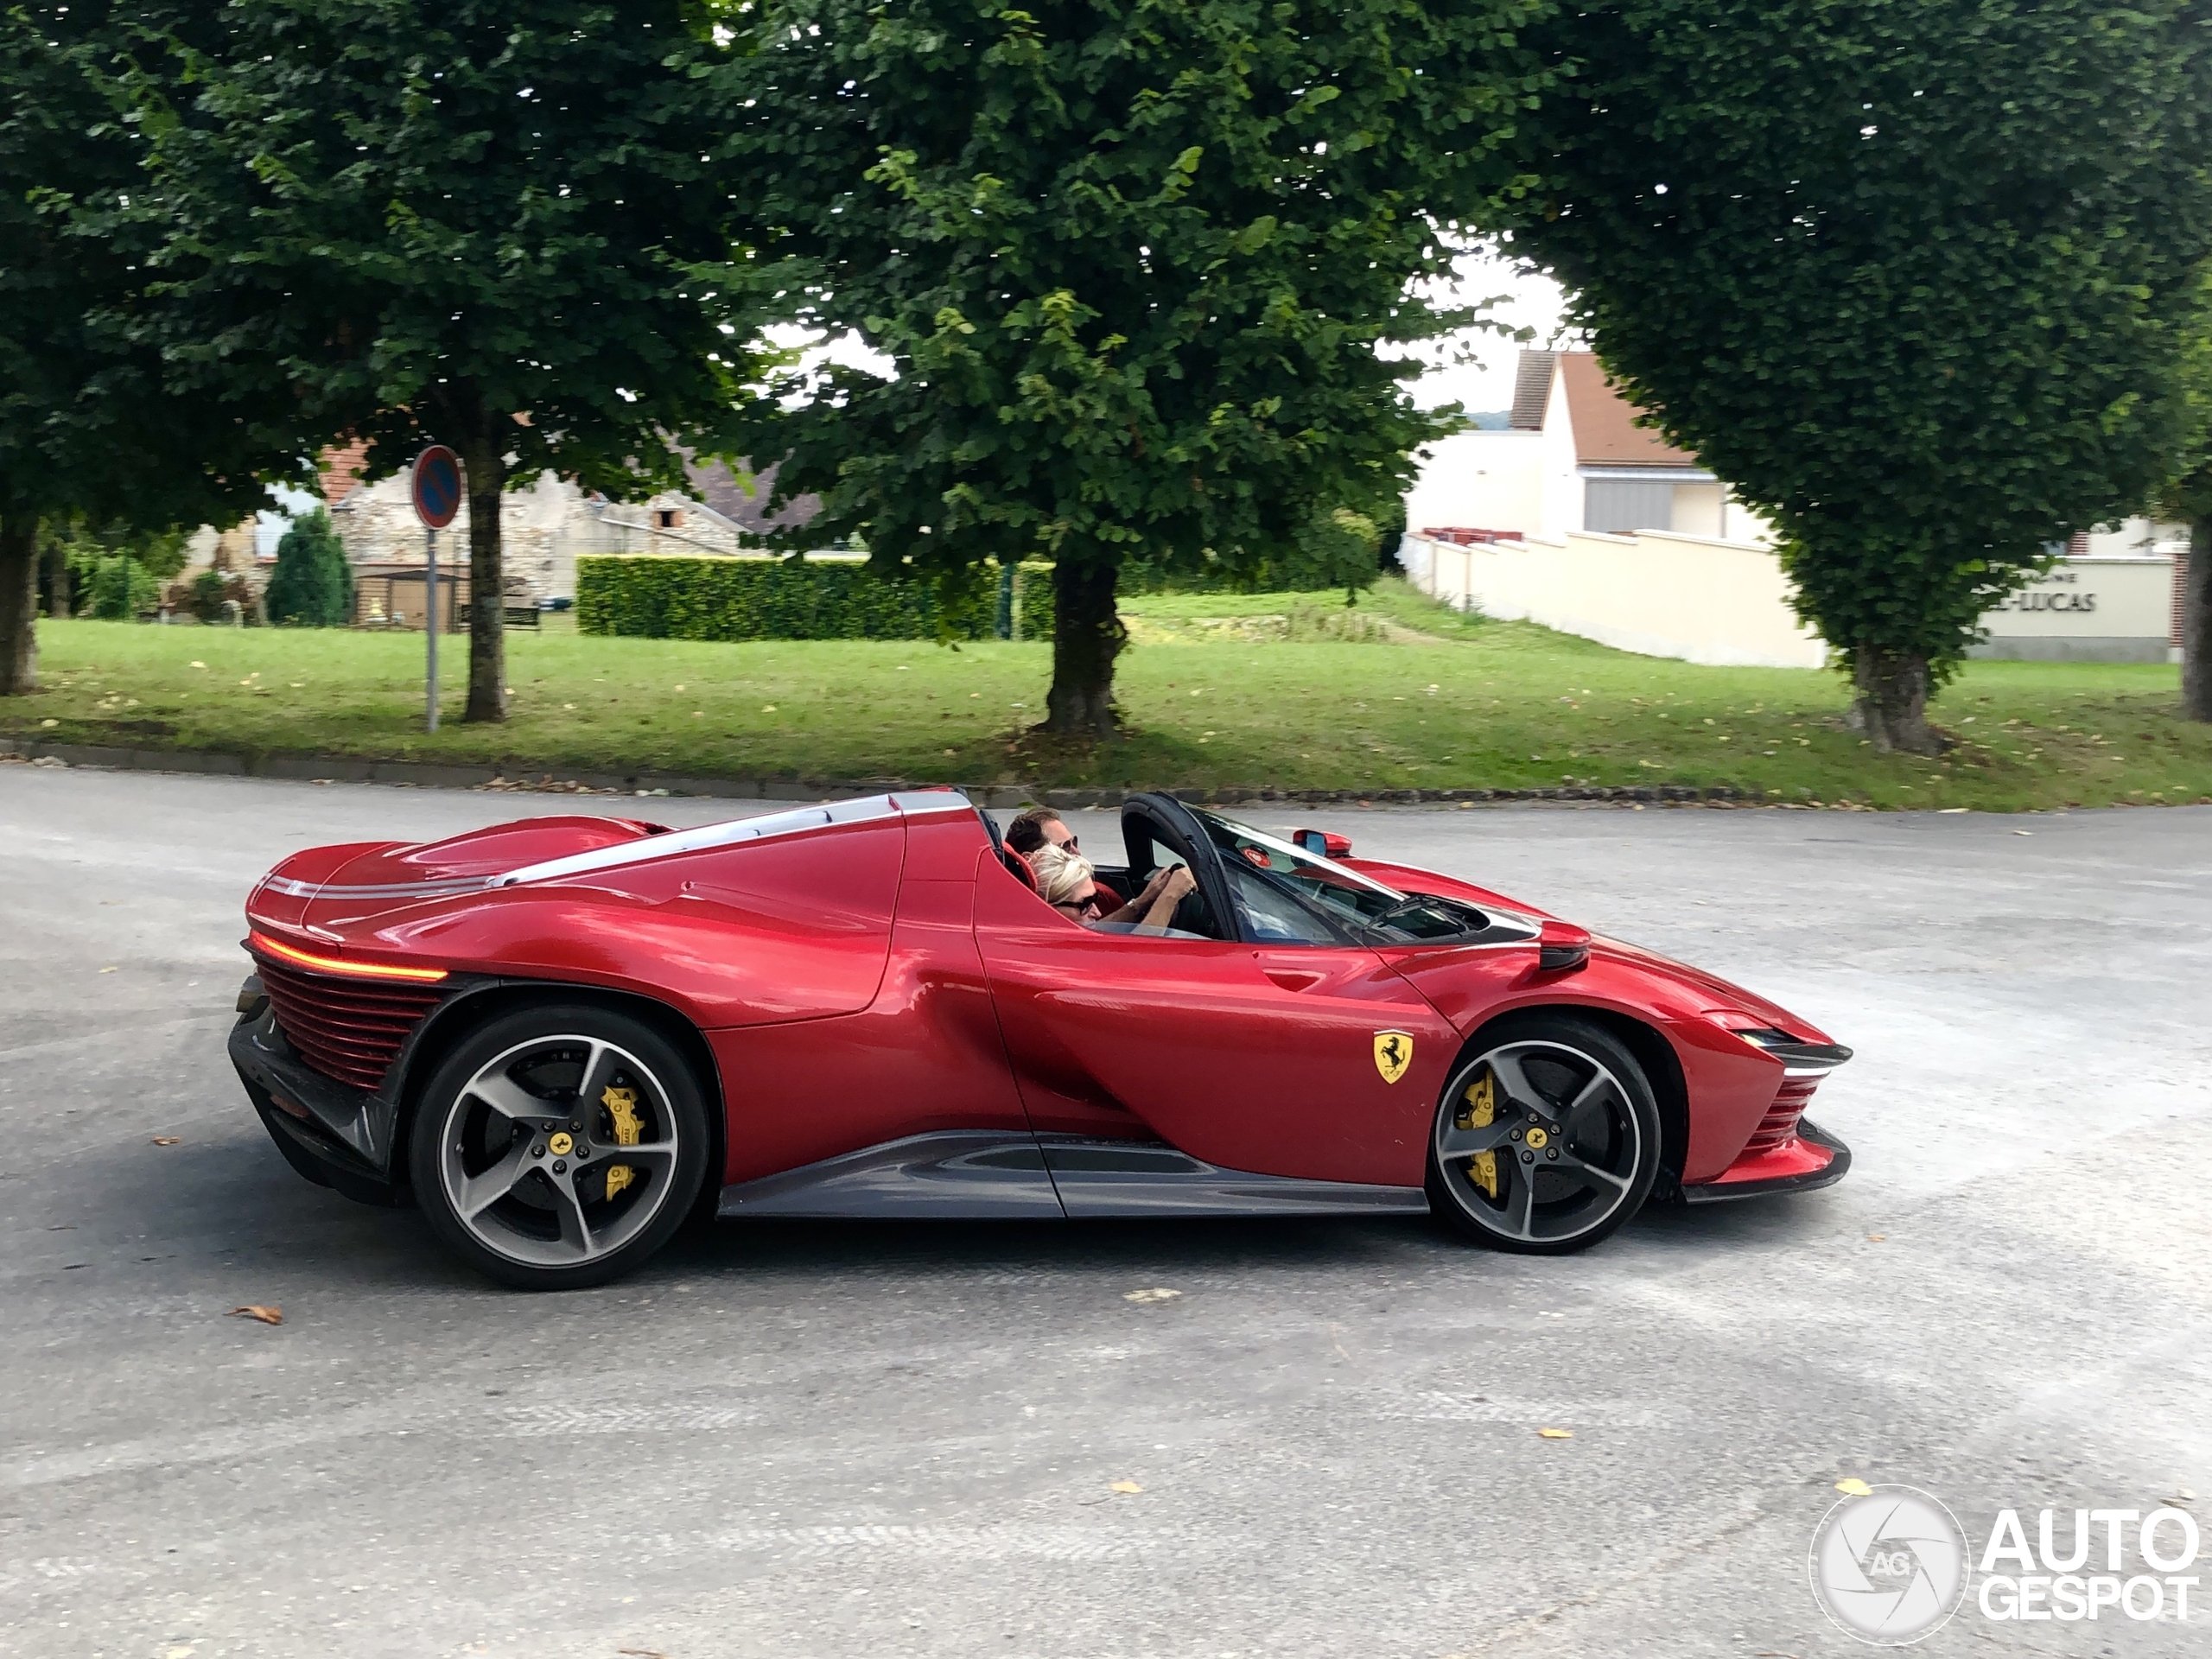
x,y
563,1036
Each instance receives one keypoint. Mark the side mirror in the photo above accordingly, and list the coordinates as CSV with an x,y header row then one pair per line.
x,y
1561,947
1321,843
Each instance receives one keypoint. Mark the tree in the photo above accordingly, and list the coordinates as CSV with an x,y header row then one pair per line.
x,y
313,585
466,222
1131,261
1909,273
90,426
2187,498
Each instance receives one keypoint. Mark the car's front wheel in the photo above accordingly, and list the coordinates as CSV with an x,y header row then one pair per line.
x,y
560,1145
1546,1140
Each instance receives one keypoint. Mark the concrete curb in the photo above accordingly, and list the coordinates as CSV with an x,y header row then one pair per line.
x,y
422,775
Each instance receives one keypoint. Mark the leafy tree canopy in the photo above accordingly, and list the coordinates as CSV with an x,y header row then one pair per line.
x,y
466,222
1131,260
1909,273
91,426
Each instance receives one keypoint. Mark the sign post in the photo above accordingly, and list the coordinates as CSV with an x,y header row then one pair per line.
x,y
438,501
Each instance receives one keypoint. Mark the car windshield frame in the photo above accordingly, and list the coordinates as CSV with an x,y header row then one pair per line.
x,y
1359,923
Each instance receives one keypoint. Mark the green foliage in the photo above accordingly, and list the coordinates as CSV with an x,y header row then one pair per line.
x,y
1908,273
85,541
120,589
1132,261
313,585
205,596
792,599
467,221
92,423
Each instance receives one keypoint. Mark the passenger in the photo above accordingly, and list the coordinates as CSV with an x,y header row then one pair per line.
x,y
1039,827
1066,883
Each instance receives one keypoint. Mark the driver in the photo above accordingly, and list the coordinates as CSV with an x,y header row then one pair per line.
x,y
1064,879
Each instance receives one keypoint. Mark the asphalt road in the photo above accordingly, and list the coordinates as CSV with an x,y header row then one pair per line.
x,y
893,1440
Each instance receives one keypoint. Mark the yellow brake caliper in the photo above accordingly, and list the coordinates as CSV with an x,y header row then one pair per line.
x,y
1479,1105
622,1106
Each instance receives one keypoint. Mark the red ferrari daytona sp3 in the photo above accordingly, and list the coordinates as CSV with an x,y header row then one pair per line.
x,y
563,1036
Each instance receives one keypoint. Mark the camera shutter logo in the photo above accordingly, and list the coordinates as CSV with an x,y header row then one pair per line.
x,y
1889,1566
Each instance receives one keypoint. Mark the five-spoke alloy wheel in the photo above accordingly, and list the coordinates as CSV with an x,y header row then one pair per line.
x,y
559,1147
1546,1140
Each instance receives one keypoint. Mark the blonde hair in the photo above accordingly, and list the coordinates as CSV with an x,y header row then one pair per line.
x,y
1061,874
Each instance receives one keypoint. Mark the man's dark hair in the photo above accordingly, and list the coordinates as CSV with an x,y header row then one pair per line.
x,y
1027,833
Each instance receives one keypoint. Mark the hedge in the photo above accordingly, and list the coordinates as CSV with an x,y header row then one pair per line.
x,y
706,598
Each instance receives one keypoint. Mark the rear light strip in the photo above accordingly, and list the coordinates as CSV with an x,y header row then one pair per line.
x,y
299,958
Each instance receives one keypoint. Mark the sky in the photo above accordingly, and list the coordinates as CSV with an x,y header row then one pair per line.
x,y
1475,369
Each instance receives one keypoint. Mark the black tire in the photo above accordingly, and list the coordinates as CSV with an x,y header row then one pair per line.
x,y
1561,1175
541,1191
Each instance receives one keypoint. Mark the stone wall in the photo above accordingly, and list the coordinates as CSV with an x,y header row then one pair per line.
x,y
544,525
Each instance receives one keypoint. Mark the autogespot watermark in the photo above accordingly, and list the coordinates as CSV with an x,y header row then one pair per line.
x,y
1891,1564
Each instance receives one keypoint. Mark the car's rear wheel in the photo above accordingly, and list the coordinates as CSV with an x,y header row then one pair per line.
x,y
1546,1140
559,1146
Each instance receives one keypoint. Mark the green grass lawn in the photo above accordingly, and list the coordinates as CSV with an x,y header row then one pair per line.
x,y
1278,699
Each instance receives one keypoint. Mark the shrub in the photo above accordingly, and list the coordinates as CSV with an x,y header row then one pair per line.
x,y
312,586
708,598
204,595
121,587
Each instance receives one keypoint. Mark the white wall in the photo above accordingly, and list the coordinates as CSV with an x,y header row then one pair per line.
x,y
1479,480
1726,603
1657,593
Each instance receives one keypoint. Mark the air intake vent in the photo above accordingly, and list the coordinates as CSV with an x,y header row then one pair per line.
x,y
1779,1127
348,1030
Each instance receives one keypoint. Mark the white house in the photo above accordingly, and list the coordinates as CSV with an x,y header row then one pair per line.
x,y
1575,517
1573,458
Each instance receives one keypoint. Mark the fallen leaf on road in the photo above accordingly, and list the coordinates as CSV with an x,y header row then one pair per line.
x,y
644,1653
1854,1487
1150,1295
1556,1433
107,971
1125,1486
165,1140
266,1315
1877,1238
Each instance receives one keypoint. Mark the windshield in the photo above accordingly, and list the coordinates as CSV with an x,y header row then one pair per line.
x,y
1356,904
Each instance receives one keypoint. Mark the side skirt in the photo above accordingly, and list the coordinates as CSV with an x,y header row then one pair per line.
x,y
987,1175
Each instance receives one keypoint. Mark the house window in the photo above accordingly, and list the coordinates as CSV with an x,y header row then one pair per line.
x,y
669,518
1620,505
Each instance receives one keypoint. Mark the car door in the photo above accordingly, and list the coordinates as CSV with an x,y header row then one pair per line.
x,y
1276,1045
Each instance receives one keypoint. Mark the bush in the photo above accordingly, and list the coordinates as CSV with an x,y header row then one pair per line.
x,y
313,585
708,598
121,587
204,593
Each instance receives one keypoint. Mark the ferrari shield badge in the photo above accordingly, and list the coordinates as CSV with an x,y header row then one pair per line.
x,y
1393,1052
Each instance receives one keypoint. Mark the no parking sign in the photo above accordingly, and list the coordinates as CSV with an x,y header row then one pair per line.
x,y
437,487
437,491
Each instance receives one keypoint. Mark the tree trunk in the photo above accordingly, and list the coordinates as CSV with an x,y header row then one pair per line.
x,y
18,603
1892,706
484,458
59,602
1087,636
2197,624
